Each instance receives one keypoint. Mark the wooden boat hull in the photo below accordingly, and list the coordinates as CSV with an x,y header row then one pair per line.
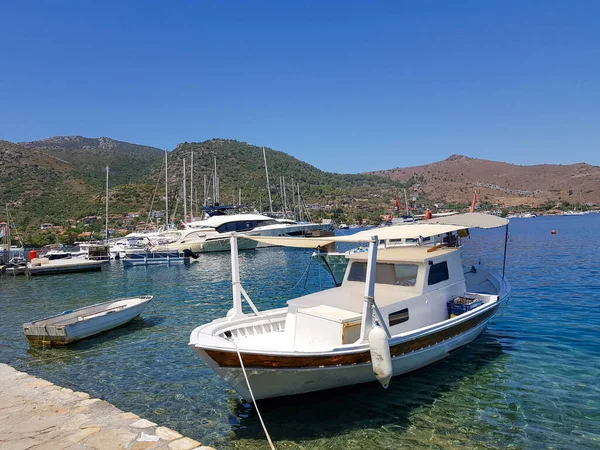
x,y
273,375
39,333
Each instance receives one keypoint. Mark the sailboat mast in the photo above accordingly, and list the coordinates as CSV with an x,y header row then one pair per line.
x,y
281,192
107,203
299,204
184,196
204,201
166,191
293,198
406,201
192,188
268,187
285,208
215,183
7,233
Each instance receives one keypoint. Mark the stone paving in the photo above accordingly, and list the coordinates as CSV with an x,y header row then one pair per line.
x,y
36,414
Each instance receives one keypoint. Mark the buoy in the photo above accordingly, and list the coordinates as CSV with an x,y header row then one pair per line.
x,y
32,254
553,231
381,359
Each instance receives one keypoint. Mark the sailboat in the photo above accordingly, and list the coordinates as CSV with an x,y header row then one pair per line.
x,y
11,256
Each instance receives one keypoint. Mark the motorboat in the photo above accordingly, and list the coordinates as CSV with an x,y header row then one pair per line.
x,y
522,216
81,323
573,213
45,266
16,266
398,309
212,234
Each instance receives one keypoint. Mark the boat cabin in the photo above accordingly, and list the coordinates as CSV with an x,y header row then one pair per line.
x,y
412,288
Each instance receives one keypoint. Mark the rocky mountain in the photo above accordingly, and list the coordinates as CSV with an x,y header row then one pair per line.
x,y
454,180
129,163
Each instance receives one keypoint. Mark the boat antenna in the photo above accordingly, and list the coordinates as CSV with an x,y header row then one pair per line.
x,y
268,186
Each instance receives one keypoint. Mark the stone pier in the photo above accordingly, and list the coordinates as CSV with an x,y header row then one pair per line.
x,y
36,414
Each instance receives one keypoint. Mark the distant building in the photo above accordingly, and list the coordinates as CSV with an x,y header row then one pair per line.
x,y
46,226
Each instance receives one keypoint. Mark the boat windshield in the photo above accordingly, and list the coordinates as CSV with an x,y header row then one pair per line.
x,y
387,273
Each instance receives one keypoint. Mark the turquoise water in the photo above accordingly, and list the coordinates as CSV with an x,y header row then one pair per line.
x,y
530,381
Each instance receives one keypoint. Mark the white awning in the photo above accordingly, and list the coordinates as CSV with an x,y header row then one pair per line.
x,y
471,220
408,231
422,229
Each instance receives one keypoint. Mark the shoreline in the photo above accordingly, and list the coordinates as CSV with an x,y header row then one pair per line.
x,y
35,412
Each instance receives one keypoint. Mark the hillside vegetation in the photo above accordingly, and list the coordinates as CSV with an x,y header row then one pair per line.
x,y
62,178
129,163
456,178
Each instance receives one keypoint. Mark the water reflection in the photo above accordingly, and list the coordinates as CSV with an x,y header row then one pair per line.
x,y
368,406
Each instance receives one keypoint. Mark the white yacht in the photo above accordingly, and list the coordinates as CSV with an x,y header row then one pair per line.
x,y
212,234
398,309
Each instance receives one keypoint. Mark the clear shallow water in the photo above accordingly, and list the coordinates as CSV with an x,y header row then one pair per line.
x,y
530,381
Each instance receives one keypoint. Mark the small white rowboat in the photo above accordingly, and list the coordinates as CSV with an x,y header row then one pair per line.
x,y
81,323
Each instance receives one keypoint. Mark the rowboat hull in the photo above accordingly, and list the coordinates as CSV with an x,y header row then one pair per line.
x,y
75,325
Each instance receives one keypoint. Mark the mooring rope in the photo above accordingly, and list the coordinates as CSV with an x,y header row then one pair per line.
x,y
252,395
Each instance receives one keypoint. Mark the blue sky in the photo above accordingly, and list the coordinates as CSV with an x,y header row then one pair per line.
x,y
347,86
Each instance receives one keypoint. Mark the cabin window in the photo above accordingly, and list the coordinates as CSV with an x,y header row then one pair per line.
x,y
438,273
387,273
398,317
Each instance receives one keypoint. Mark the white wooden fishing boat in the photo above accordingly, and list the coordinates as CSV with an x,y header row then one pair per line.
x,y
398,309
81,323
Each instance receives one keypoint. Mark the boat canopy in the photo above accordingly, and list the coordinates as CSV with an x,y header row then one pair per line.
x,y
417,230
472,220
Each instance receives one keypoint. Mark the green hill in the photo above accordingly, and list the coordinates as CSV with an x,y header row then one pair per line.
x,y
241,166
63,178
129,163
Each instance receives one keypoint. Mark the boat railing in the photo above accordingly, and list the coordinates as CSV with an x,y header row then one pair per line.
x,y
256,327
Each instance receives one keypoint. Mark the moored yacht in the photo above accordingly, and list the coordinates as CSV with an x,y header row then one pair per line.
x,y
212,234
398,309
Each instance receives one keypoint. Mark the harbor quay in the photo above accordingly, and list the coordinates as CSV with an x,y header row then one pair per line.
x,y
37,414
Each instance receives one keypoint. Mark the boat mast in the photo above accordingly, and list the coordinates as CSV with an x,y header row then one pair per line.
x,y
268,188
166,193
299,204
184,196
405,202
7,235
215,196
281,193
284,198
192,188
107,203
